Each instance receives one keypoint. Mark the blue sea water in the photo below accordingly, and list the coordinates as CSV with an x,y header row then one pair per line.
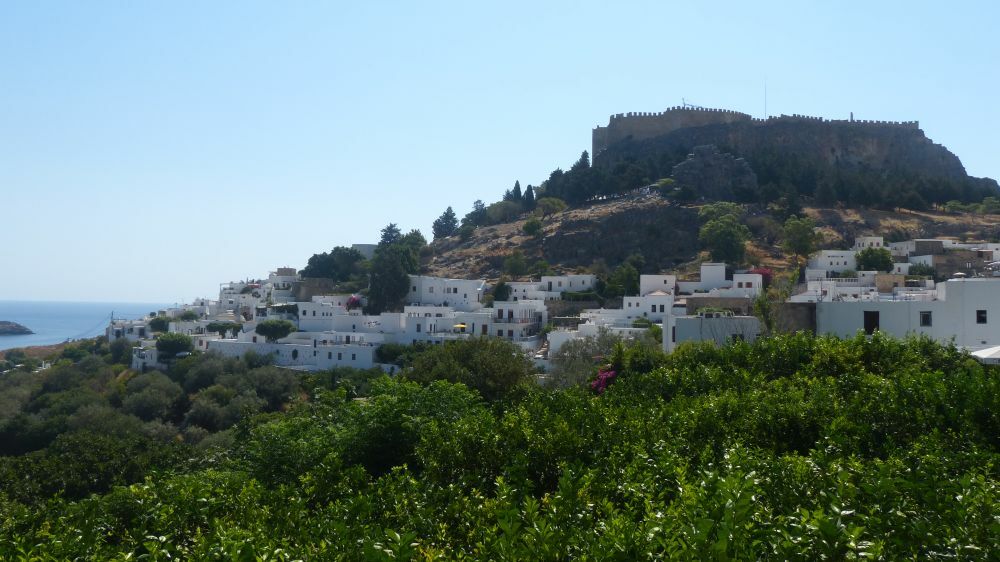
x,y
56,322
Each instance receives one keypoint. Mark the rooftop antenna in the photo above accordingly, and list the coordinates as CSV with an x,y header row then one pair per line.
x,y
765,97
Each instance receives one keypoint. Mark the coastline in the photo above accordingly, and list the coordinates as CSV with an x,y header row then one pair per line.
x,y
43,351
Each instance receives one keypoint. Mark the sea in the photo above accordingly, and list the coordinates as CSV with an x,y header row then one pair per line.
x,y
56,322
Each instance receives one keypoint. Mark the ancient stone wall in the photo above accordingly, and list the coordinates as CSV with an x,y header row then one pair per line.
x,y
645,125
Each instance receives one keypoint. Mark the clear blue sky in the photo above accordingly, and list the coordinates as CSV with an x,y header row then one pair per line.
x,y
149,151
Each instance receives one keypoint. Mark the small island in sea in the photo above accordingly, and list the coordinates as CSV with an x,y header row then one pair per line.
x,y
13,329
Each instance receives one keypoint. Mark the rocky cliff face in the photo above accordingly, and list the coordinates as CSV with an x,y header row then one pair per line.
x,y
825,145
714,174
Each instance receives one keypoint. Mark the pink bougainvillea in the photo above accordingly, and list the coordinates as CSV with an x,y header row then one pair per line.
x,y
605,377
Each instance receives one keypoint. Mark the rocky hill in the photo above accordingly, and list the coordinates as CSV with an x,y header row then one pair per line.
x,y
860,163
666,234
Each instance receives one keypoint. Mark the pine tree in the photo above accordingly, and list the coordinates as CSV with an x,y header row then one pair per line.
x,y
515,194
446,224
529,198
390,235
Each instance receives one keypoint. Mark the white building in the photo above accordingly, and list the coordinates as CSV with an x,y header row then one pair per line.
x,y
460,294
863,242
833,260
663,283
966,310
713,282
718,327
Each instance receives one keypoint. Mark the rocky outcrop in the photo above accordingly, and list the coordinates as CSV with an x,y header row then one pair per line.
x,y
713,174
819,145
13,329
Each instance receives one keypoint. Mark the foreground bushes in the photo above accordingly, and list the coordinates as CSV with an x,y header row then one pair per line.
x,y
794,448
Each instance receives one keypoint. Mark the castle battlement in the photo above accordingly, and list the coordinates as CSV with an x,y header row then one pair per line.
x,y
641,125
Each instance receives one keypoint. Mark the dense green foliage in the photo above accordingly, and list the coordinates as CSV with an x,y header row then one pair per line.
x,y
342,265
722,232
800,237
159,324
172,343
491,366
874,259
273,330
793,448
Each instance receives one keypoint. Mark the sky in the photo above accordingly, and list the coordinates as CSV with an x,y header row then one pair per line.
x,y
152,150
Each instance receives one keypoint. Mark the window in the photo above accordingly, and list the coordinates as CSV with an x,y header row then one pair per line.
x,y
354,356
329,355
418,328
499,333
430,289
871,321
980,317
925,318
661,308
414,288
510,333
339,356
652,308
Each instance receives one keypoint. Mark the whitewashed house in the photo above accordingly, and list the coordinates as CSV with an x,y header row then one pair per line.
x,y
460,294
719,327
964,310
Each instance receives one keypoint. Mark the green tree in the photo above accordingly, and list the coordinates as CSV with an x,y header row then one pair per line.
x,y
725,239
529,198
492,366
874,259
170,344
550,205
718,210
415,241
159,324
446,224
121,351
274,330
515,265
390,282
151,396
189,316
501,291
800,236
339,264
223,328
390,235
532,227
477,216
502,211
540,268
515,194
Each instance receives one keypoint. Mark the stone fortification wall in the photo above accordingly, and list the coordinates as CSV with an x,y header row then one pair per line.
x,y
646,125
796,118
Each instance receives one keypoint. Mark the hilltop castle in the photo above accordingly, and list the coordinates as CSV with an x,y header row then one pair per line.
x,y
645,125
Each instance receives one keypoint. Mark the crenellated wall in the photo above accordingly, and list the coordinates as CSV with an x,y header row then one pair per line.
x,y
645,125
